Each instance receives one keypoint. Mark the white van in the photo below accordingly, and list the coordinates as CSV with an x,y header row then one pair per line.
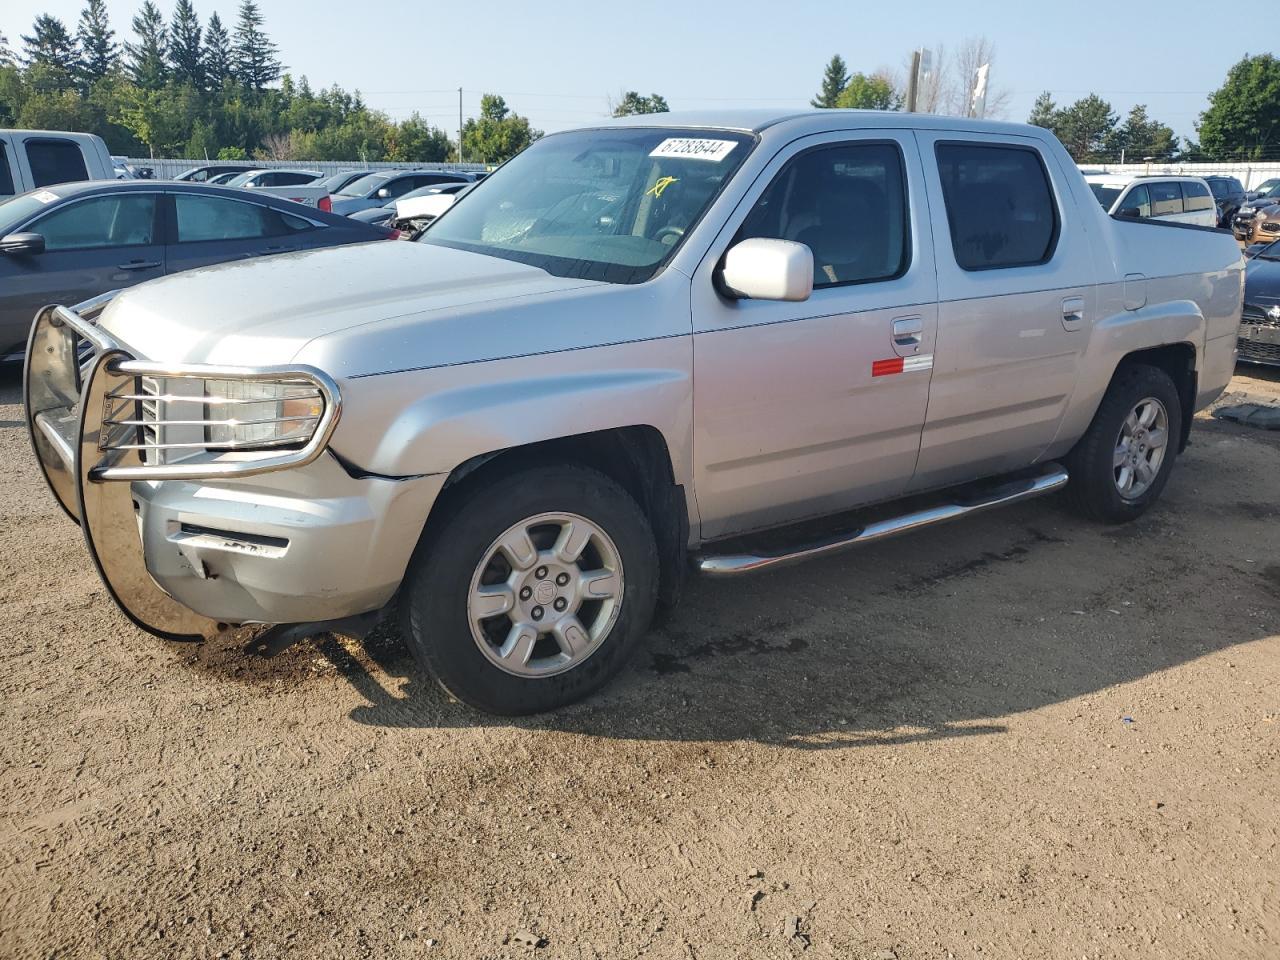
x,y
40,158
1157,197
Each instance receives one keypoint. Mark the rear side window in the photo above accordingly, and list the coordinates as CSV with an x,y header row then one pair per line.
x,y
55,161
846,203
201,219
6,175
287,179
1166,198
1195,197
123,220
999,205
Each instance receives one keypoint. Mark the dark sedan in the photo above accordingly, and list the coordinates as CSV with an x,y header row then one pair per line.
x,y
1260,324
67,243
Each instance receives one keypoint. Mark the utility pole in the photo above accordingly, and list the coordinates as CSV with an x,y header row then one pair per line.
x,y
913,83
459,125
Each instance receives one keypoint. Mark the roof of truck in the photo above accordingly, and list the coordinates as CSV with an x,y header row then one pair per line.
x,y
754,121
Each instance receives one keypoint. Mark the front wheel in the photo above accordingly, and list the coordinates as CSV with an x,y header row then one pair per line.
x,y
1120,466
535,590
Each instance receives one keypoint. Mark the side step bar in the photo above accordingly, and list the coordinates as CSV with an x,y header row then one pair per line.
x,y
1054,478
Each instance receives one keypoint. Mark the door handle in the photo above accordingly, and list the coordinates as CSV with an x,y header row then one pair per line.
x,y
907,335
139,265
1072,313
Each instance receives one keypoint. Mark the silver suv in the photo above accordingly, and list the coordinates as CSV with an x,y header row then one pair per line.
x,y
633,344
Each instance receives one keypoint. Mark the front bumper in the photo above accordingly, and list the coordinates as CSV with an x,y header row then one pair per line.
x,y
189,548
1259,340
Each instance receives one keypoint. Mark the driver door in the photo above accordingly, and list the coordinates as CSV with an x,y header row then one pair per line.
x,y
802,409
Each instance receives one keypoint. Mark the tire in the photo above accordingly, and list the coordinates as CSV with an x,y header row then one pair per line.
x,y
1096,489
441,605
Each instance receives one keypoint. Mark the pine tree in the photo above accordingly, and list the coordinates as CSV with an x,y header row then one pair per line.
x,y
6,55
253,54
217,53
99,52
147,64
834,79
186,52
51,45
1044,112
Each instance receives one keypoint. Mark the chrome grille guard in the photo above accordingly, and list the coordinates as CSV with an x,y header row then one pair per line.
x,y
90,419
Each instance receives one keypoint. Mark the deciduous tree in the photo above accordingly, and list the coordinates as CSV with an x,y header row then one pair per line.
x,y
1243,118
632,103
497,134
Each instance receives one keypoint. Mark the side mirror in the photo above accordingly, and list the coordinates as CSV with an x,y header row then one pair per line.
x,y
1134,213
28,243
766,269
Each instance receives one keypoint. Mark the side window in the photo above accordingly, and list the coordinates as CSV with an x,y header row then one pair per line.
x,y
848,204
118,221
400,186
202,219
1166,198
6,174
999,205
54,160
1196,197
1137,199
291,179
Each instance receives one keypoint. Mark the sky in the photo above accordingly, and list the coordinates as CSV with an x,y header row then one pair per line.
x,y
560,63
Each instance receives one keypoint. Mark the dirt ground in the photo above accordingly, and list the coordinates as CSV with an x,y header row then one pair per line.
x,y
1017,736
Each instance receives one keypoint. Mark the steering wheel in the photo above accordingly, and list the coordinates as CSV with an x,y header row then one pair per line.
x,y
674,232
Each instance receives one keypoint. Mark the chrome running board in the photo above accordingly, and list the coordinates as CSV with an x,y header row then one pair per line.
x,y
1054,478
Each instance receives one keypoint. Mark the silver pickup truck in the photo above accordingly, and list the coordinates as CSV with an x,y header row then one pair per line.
x,y
661,339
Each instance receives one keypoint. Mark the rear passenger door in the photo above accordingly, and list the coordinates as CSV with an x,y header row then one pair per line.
x,y
1166,200
1016,301
810,408
214,229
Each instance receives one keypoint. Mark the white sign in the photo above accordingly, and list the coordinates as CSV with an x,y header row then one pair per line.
x,y
694,149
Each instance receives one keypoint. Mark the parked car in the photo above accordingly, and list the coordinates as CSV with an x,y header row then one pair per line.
x,y
385,214
1176,199
206,174
1228,197
378,189
68,243
1260,320
337,181
635,342
1247,224
1265,187
30,159
252,179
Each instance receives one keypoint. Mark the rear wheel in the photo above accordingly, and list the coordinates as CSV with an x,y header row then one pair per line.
x,y
1120,466
534,592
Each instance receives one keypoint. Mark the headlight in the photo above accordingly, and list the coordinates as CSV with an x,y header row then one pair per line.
x,y
252,414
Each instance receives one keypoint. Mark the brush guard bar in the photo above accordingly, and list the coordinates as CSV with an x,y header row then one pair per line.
x,y
88,429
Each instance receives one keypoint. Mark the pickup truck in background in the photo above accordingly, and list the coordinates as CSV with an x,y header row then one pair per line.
x,y
30,159
659,342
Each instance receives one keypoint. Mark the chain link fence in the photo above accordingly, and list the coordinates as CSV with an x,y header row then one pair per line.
x,y
168,168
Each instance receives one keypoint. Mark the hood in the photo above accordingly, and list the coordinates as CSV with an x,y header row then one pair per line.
x,y
266,311
1262,281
